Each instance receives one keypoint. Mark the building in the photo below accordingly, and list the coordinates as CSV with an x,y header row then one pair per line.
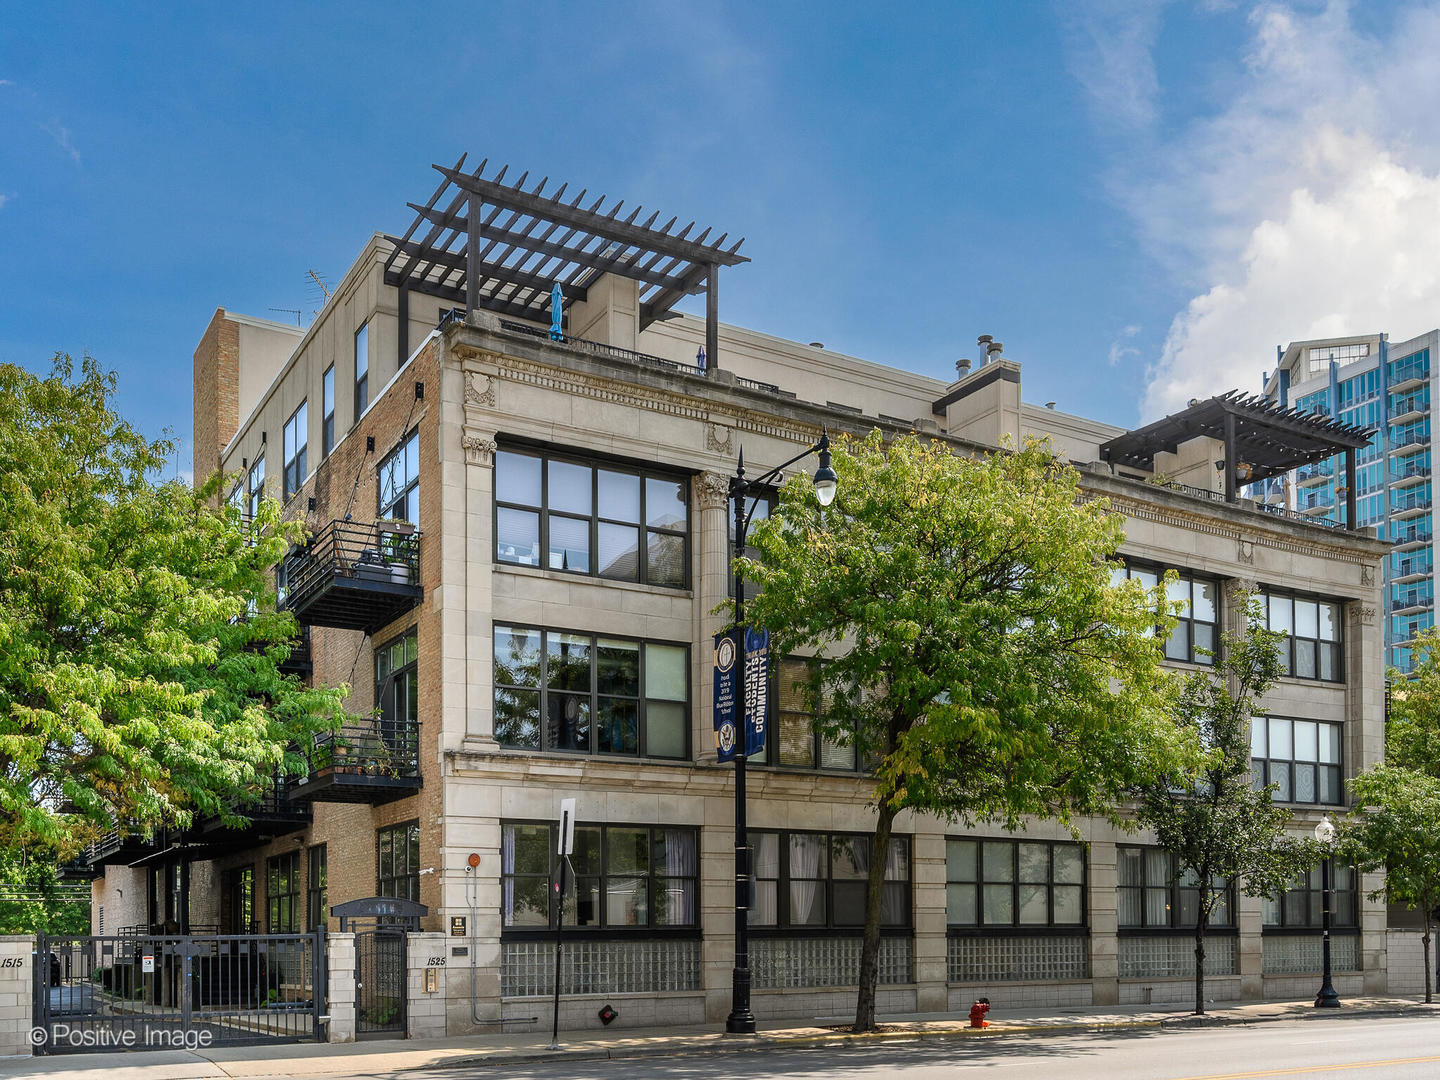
x,y
520,532
1368,380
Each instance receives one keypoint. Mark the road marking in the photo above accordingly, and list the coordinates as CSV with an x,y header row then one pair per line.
x,y
1313,1069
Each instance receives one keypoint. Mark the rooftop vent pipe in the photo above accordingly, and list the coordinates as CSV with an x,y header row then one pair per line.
x,y
962,367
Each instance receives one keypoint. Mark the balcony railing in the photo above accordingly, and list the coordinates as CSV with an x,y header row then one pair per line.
x,y
1404,568
371,760
1401,439
1314,471
1400,506
1413,535
599,348
1412,403
1415,598
354,576
1409,472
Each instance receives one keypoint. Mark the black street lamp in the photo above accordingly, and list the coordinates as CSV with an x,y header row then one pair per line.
x,y
1327,998
741,1020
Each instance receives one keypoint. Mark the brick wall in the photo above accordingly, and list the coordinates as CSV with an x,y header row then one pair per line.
x,y
217,393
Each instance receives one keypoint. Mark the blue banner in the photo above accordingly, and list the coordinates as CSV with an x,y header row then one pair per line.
x,y
757,689
727,682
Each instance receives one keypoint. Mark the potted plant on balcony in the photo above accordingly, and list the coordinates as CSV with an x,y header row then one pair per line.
x,y
395,547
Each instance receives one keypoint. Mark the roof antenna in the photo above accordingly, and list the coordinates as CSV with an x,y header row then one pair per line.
x,y
289,311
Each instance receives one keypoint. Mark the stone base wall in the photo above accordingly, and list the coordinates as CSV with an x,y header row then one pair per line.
x,y
1021,995
1177,991
17,956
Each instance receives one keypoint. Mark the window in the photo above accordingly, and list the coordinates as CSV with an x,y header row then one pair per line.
x,y
1014,883
397,696
1311,649
327,411
793,739
1321,355
602,520
362,370
399,861
317,894
399,482
591,694
1194,638
757,507
1153,894
240,894
1300,757
255,486
626,876
296,439
1302,905
282,893
806,880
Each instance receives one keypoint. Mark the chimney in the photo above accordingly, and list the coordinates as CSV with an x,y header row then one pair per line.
x,y
993,351
962,367
984,341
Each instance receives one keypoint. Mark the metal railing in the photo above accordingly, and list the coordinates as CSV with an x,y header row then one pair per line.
x,y
1413,598
1314,471
377,551
1398,439
1409,567
1405,372
599,348
1408,404
1414,535
1195,492
1421,503
1409,471
368,746
1316,502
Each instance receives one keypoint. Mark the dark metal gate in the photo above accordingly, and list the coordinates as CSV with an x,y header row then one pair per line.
x,y
157,992
380,989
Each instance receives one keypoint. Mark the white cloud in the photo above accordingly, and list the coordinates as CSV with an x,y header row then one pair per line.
x,y
1111,46
61,135
1303,204
1119,350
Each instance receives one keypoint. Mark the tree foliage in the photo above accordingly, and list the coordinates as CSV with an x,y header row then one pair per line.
x,y
975,650
138,632
1219,826
36,899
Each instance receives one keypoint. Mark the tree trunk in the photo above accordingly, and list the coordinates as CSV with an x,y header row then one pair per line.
x,y
1425,945
870,950
1200,967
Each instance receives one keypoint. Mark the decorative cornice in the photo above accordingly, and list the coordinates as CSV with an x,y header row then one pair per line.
x,y
479,450
712,491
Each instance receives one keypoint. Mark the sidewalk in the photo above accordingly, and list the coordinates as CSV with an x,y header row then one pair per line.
x,y
317,1060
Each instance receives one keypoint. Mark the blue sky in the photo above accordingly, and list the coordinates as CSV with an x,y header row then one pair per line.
x,y
1140,199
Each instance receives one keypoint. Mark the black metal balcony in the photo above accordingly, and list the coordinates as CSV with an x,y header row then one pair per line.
x,y
354,576
276,812
119,847
370,760
299,663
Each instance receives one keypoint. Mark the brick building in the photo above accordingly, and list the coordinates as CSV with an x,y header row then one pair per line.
x,y
520,535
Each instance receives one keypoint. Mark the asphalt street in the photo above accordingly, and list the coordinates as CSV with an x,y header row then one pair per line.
x,y
1392,1049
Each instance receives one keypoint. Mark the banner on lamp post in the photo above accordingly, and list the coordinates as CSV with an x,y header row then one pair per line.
x,y
757,689
727,684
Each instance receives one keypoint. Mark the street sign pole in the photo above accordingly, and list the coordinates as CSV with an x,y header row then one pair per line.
x,y
564,846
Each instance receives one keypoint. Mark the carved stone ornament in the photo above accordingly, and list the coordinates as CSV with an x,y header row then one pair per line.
x,y
1246,553
1367,575
479,450
712,491
717,438
1367,616
480,390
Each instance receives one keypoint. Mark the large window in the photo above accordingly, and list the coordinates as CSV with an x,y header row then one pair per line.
x,y
609,521
1014,883
1153,894
816,880
626,876
327,412
362,370
591,694
255,486
317,889
397,694
297,439
1302,906
399,482
1194,637
1300,757
282,893
1311,649
793,739
398,861
240,900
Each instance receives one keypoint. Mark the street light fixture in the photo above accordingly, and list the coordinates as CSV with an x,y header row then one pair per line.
x,y
741,1020
1327,998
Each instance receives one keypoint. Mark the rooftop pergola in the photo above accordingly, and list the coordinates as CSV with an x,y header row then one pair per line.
x,y
487,243
1258,435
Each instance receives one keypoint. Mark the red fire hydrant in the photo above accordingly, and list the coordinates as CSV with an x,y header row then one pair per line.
x,y
978,1012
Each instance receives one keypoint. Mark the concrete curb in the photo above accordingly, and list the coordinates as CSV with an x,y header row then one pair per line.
x,y
839,1040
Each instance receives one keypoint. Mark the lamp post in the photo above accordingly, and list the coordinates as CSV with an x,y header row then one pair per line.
x,y
1327,998
741,1020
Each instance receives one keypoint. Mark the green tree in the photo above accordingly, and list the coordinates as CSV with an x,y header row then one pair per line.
x,y
36,899
138,632
1395,825
1221,829
976,653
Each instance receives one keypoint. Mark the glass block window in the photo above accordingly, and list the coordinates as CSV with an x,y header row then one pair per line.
x,y
282,893
1154,893
1194,638
793,740
625,877
1014,883
297,438
398,851
819,880
1300,757
1311,649
399,482
582,517
1302,906
591,694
